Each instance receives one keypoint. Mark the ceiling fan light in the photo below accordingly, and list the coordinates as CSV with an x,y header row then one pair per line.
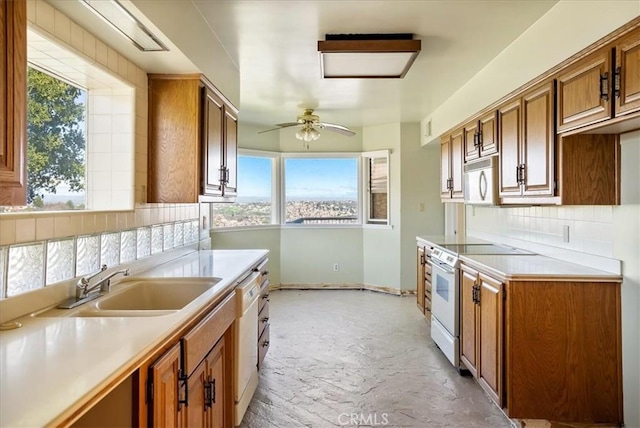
x,y
314,134
300,134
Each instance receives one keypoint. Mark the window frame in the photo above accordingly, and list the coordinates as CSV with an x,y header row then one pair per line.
x,y
320,155
367,221
275,196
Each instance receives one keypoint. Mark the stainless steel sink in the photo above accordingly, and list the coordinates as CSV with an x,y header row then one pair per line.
x,y
142,297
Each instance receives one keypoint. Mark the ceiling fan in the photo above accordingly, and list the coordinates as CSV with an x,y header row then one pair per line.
x,y
309,125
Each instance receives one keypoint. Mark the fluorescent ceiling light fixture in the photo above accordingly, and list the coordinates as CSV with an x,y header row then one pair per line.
x,y
114,14
367,55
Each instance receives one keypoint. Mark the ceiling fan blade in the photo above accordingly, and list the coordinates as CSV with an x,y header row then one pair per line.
x,y
337,128
280,126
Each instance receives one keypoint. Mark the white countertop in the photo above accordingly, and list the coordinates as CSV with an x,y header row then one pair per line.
x,y
450,239
52,366
536,268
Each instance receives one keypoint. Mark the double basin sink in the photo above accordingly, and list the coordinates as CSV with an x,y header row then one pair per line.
x,y
142,297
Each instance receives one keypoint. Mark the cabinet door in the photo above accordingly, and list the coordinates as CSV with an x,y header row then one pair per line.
x,y
164,410
538,148
509,137
584,92
445,167
215,397
196,398
468,351
457,163
174,139
213,150
490,337
13,102
231,152
420,279
627,93
471,150
489,139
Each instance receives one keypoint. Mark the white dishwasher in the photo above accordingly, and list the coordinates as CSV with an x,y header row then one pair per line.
x,y
246,344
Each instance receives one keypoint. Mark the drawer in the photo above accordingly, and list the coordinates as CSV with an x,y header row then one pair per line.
x,y
427,307
263,318
264,299
198,342
427,269
263,345
264,273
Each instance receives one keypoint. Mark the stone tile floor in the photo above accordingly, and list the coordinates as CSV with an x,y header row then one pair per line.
x,y
359,358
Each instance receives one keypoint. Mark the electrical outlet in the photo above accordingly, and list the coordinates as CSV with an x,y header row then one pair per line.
x,y
565,233
336,267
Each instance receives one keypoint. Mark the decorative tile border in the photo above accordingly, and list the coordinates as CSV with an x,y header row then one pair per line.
x,y
34,265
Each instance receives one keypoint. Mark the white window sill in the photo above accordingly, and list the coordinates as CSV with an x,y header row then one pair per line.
x,y
301,226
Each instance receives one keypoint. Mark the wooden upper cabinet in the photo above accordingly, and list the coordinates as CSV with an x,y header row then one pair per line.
x,y
480,137
13,101
189,128
457,165
445,167
174,139
471,150
212,130
231,152
537,174
488,134
627,74
509,134
584,91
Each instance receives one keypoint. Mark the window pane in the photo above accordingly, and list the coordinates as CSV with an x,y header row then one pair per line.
x,y
56,144
321,191
254,204
378,197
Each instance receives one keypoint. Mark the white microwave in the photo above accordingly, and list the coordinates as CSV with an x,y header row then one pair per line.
x,y
481,182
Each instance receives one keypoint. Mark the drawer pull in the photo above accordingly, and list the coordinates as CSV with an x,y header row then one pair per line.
x,y
265,273
265,343
265,319
266,296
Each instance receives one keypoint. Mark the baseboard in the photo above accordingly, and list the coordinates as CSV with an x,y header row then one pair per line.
x,y
342,286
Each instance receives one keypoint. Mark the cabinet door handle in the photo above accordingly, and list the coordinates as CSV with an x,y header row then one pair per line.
x,y
523,174
473,294
183,383
221,172
604,86
518,174
210,393
616,82
479,134
265,343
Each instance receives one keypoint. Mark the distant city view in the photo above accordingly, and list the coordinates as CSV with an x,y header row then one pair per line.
x,y
317,191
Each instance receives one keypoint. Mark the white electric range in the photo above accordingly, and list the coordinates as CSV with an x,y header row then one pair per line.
x,y
445,300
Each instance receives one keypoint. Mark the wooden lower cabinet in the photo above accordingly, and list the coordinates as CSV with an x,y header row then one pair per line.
x,y
164,388
263,315
544,349
481,333
190,384
420,293
423,281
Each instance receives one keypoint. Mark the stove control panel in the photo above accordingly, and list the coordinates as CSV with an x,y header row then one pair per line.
x,y
444,257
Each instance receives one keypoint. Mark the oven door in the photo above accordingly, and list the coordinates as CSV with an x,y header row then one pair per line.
x,y
444,297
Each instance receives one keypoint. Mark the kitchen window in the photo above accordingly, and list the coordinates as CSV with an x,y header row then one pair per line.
x,y
321,190
376,185
80,131
256,201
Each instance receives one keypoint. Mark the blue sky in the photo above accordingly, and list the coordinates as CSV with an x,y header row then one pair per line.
x,y
306,178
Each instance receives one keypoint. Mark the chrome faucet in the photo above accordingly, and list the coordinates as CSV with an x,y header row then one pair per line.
x,y
84,287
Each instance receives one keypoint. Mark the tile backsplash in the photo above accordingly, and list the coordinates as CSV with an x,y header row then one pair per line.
x,y
31,266
590,228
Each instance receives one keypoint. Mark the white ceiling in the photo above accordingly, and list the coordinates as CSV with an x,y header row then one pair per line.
x,y
274,45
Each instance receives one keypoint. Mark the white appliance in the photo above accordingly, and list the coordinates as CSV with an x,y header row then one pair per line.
x,y
445,293
481,182
246,344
